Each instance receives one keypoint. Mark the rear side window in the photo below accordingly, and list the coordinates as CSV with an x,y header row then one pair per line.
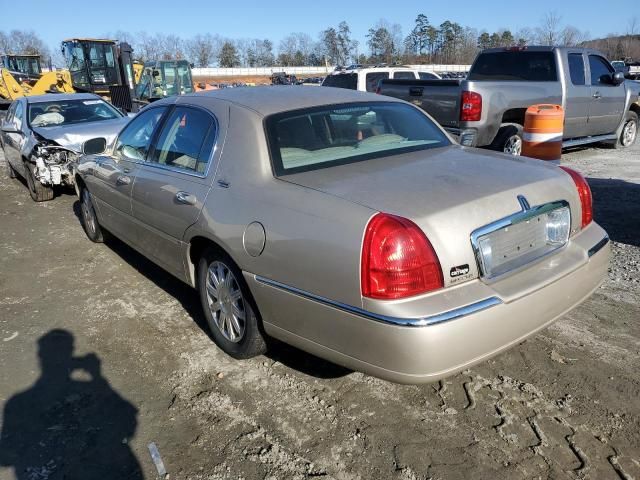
x,y
342,80
427,76
600,71
404,76
320,137
515,66
185,141
576,68
372,80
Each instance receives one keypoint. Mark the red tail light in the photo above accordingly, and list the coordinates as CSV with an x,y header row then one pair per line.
x,y
470,107
584,192
398,260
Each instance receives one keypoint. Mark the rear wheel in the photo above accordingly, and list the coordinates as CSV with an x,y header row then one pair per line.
x,y
228,306
629,131
38,191
89,218
509,140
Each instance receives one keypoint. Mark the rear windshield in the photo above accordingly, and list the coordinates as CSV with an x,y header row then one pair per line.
x,y
342,80
527,66
67,112
320,137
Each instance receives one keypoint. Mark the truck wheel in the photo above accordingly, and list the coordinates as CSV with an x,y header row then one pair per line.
x,y
629,131
229,308
509,140
38,191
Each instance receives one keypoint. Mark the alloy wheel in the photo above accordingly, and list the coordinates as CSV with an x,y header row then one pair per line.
x,y
87,213
513,146
226,304
629,133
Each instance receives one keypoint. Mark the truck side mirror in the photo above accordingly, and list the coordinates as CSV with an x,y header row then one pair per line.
x,y
617,78
94,146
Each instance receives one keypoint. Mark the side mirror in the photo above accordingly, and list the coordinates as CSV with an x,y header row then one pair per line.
x,y
617,78
94,146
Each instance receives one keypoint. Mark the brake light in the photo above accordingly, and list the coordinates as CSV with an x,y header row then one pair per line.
x,y
470,107
398,260
584,192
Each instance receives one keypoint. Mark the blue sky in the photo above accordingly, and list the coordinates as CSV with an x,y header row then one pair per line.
x,y
274,19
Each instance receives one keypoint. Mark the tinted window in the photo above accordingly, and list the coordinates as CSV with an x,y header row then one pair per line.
x,y
372,80
576,68
67,112
517,65
404,75
186,140
321,137
18,115
342,80
134,141
11,111
600,71
427,76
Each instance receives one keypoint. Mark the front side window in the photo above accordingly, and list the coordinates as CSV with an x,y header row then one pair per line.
x,y
186,140
68,112
600,71
18,115
320,137
372,80
134,141
576,69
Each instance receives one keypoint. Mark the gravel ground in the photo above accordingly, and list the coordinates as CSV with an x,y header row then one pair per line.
x,y
562,405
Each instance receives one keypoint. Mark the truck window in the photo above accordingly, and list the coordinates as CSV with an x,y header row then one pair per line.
x,y
372,80
576,69
515,66
600,71
342,80
404,76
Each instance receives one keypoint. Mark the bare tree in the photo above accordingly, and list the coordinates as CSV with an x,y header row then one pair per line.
x,y
548,32
203,49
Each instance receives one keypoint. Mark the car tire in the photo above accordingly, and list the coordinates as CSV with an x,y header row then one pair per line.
x,y
89,218
509,140
38,191
229,308
629,133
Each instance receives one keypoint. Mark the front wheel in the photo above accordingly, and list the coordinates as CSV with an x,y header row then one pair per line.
x,y
89,218
509,140
228,306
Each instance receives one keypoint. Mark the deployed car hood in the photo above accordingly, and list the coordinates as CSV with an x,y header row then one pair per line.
x,y
73,136
449,192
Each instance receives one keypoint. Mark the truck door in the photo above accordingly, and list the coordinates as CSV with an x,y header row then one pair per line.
x,y
578,97
607,99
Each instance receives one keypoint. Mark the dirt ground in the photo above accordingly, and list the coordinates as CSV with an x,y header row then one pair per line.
x,y
102,353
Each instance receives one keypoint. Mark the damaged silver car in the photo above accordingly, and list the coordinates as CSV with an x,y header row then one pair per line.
x,y
42,137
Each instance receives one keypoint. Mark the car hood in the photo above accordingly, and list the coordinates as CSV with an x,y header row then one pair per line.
x,y
73,136
449,192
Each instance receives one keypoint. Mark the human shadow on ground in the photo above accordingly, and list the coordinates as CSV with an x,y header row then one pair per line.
x,y
71,423
289,356
616,206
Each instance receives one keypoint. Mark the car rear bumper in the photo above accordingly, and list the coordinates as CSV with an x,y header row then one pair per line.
x,y
426,339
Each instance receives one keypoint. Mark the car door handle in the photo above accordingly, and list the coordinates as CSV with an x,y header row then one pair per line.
x,y
123,180
186,198
596,95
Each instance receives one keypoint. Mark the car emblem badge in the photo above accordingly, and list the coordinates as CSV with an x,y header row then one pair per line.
x,y
524,204
459,270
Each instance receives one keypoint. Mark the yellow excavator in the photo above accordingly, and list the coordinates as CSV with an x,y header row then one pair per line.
x,y
22,75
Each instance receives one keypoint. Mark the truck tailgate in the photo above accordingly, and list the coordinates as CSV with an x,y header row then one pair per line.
x,y
439,98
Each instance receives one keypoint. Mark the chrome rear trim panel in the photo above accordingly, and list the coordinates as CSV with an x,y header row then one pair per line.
x,y
404,322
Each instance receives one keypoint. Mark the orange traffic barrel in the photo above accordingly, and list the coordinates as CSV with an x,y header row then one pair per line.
x,y
542,135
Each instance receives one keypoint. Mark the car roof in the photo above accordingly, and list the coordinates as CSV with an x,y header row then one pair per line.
x,y
275,99
62,97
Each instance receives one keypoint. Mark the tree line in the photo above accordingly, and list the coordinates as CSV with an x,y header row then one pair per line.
x,y
426,42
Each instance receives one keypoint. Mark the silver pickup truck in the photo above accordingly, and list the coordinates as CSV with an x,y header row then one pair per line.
x,y
488,108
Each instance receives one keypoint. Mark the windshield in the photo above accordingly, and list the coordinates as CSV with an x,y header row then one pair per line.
x,y
177,77
91,63
69,112
320,137
515,65
27,65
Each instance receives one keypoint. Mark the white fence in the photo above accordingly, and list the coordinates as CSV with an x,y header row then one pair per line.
x,y
236,72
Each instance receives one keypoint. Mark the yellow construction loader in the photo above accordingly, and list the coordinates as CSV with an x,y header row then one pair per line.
x,y
21,75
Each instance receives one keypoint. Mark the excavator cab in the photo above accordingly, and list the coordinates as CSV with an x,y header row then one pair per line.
x,y
24,68
164,78
93,64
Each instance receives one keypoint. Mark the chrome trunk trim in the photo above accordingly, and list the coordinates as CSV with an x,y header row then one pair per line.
x,y
404,322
